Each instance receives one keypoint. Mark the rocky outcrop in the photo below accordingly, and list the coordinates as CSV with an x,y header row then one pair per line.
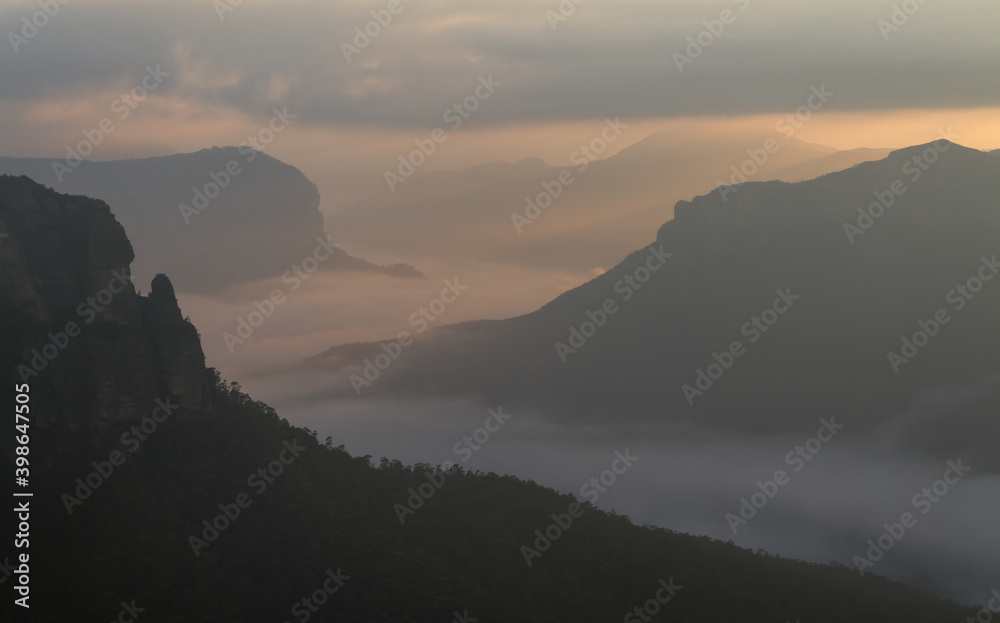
x,y
176,343
96,354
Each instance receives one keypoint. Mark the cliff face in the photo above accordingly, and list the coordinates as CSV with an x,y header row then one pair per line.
x,y
95,353
245,215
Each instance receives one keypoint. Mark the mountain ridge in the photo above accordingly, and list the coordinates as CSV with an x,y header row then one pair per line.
x,y
730,255
576,232
240,214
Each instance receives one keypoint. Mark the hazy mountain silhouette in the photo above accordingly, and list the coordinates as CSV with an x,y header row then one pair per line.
x,y
856,294
255,219
609,207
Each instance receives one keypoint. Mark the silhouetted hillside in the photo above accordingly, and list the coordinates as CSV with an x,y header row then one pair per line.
x,y
228,513
810,290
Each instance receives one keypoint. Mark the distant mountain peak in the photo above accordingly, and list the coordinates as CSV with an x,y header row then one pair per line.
x,y
239,214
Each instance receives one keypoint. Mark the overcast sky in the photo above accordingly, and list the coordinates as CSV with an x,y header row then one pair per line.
x,y
605,58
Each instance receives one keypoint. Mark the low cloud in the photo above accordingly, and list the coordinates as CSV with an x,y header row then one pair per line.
x,y
689,479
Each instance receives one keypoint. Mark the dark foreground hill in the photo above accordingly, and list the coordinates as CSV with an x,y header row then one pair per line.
x,y
178,505
778,303
134,540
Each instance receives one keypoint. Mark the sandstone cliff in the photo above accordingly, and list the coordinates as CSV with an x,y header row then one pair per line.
x,y
95,353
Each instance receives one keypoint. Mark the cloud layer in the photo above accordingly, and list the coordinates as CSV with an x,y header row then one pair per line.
x,y
604,59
